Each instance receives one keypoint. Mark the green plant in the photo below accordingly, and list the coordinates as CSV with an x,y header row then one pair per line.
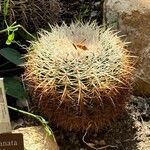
x,y
5,7
38,118
11,32
14,85
79,75
13,27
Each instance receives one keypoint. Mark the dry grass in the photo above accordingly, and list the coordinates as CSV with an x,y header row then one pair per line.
x,y
34,14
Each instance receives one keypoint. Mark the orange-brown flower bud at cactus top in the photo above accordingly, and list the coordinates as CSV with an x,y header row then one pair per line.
x,y
79,75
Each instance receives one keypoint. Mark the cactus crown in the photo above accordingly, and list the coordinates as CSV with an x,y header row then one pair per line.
x,y
78,62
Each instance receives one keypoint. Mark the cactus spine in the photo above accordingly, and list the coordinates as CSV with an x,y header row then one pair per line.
x,y
80,75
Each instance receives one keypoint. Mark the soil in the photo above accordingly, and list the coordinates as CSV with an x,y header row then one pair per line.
x,y
131,132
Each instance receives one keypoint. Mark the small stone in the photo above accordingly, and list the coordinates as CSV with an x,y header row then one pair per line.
x,y
35,138
97,4
91,144
22,103
147,133
17,124
102,142
93,13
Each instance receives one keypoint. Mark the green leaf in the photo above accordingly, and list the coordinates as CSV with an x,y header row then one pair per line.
x,y
14,88
10,38
12,55
8,42
5,7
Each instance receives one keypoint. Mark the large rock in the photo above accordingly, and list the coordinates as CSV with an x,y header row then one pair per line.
x,y
132,18
35,138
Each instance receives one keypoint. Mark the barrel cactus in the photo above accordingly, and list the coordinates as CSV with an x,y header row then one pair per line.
x,y
79,75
